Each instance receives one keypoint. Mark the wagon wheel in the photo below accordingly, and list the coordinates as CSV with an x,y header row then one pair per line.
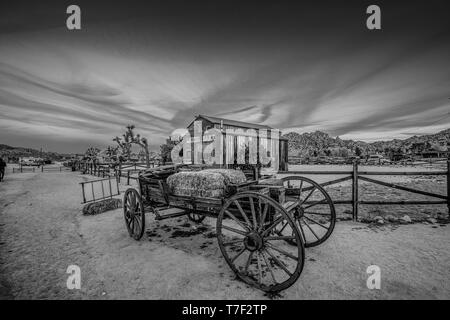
x,y
312,209
196,217
258,256
133,212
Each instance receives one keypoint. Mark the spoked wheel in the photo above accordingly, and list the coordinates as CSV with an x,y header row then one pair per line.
x,y
312,209
258,256
195,217
133,212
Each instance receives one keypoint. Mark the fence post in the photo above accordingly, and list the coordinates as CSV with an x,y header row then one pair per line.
x,y
84,196
355,190
42,168
448,188
128,177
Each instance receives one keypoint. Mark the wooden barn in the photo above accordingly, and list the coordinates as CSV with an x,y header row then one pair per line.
x,y
231,141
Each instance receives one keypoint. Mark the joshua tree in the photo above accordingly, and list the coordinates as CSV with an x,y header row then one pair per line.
x,y
165,150
111,152
91,153
128,139
125,147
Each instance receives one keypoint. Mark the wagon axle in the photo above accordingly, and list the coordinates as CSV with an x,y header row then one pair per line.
x,y
253,241
298,212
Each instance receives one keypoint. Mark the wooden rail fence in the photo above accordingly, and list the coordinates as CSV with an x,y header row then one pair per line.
x,y
355,175
23,169
123,170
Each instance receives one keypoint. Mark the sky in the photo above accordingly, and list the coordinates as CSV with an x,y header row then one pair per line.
x,y
296,66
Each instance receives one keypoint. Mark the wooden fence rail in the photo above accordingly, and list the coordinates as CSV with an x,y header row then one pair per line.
x,y
355,175
105,170
22,169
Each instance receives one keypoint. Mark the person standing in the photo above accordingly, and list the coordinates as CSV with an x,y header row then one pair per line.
x,y
2,169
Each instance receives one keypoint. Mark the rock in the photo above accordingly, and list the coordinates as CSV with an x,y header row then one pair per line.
x,y
406,219
391,218
432,220
365,220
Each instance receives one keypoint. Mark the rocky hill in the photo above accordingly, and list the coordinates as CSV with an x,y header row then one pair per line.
x,y
7,151
320,143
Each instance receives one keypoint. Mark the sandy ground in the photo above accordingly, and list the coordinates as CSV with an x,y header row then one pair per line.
x,y
42,232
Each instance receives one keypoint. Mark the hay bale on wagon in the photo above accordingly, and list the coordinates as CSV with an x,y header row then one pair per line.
x,y
231,176
210,183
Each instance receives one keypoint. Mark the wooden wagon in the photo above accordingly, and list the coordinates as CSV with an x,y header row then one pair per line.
x,y
262,225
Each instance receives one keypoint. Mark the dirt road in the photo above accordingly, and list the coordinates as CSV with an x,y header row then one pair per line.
x,y
42,232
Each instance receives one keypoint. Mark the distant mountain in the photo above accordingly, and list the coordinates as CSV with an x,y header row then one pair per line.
x,y
5,147
320,143
437,141
7,151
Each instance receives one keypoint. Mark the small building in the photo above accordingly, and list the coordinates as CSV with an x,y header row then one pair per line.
x,y
30,161
397,156
418,148
209,122
434,154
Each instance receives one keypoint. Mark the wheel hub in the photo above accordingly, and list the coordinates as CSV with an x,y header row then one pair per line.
x,y
299,212
132,212
253,241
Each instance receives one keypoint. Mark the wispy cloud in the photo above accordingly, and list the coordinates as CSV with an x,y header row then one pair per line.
x,y
66,90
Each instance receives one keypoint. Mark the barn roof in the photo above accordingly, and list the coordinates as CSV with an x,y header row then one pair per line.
x,y
228,122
